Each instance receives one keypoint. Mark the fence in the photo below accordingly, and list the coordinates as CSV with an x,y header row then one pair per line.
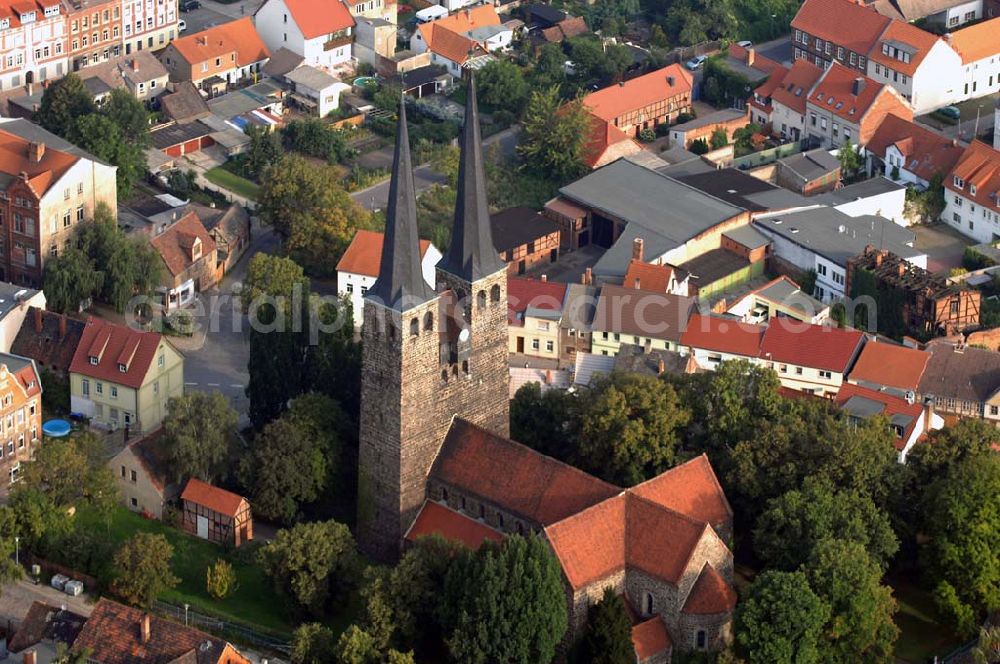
x,y
222,628
770,155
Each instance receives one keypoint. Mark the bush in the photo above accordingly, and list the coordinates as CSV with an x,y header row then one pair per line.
x,y
220,579
685,117
973,260
699,146
662,129
647,135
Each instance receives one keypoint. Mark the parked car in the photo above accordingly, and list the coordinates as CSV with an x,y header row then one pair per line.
x,y
188,5
952,112
182,25
746,43
696,62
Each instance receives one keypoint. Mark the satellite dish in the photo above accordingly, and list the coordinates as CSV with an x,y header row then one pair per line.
x,y
464,334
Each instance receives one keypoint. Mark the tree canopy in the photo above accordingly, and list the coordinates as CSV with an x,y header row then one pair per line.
x,y
608,639
200,428
501,85
781,620
143,569
554,136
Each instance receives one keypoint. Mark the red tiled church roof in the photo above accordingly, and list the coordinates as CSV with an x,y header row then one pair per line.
x,y
529,484
435,518
691,489
591,545
711,594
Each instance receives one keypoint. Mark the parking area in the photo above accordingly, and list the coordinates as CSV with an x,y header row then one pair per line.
x,y
197,20
570,266
943,245
976,119
17,597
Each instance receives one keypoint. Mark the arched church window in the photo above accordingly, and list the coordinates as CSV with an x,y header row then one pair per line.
x,y
495,293
444,374
481,299
700,640
428,322
414,327
465,366
647,604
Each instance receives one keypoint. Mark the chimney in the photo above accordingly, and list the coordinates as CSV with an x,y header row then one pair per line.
x,y
661,366
144,628
30,656
38,320
62,326
545,278
588,277
670,81
751,56
621,84
637,247
135,64
36,151
928,412
858,86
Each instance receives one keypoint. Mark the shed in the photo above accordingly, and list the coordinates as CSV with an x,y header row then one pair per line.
x,y
215,514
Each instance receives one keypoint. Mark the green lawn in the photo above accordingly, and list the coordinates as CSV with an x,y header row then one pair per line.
x,y
921,635
233,182
254,602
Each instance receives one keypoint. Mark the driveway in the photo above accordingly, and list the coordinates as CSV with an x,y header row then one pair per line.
x,y
204,17
17,597
976,119
779,50
943,245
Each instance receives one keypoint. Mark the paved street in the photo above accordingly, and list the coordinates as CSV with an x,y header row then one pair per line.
x,y
16,598
779,50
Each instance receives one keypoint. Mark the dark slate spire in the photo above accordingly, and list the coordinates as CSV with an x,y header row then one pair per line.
x,y
400,284
471,254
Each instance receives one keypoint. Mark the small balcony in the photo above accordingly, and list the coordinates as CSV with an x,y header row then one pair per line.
x,y
336,42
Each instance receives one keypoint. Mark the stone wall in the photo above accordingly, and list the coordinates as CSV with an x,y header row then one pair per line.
x,y
475,507
581,599
718,629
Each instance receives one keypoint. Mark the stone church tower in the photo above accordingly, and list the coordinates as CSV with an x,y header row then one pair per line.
x,y
428,355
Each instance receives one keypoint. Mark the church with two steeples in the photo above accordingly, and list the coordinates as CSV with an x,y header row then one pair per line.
x,y
435,456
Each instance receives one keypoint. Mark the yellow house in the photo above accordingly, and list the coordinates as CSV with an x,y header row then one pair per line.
x,y
121,377
534,312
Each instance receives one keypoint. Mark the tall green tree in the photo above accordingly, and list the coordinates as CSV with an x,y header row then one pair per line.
x,y
545,420
70,278
265,149
501,85
849,158
313,643
554,136
608,639
962,522
9,569
795,522
104,138
143,569
63,102
312,565
130,115
781,620
200,428
629,428
848,580
506,603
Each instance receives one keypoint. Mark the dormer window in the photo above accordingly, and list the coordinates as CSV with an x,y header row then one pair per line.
x,y
959,182
972,189
122,368
93,360
4,23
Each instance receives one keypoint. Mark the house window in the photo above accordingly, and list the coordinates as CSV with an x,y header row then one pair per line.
x,y
534,344
100,387
549,346
114,392
86,387
798,371
994,410
825,374
133,502
160,361
700,639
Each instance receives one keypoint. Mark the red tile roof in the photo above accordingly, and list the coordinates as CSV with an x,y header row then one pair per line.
x,y
98,335
15,159
976,42
435,518
446,36
616,100
979,165
691,489
766,89
834,93
212,497
606,142
174,244
590,545
112,634
650,638
710,595
239,36
536,487
660,541
646,276
795,85
905,33
890,365
844,22
816,346
364,254
723,335
523,292
316,18
643,313
926,152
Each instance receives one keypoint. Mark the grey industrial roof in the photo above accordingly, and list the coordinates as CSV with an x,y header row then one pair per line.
x,y
863,407
667,211
712,266
11,295
730,184
242,101
282,61
176,134
786,293
724,115
311,77
519,225
811,165
863,189
837,236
